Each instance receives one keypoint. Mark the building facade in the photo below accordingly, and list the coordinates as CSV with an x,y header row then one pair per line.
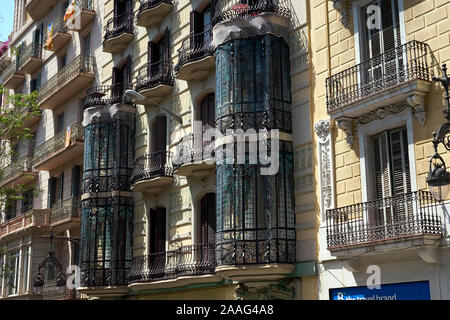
x,y
376,108
148,106
58,59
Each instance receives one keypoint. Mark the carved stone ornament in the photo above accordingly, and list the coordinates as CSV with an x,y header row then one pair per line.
x,y
346,125
380,113
417,102
343,7
280,290
322,129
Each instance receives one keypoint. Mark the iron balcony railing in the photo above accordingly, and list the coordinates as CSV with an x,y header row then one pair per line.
x,y
81,64
407,62
195,47
106,95
9,71
150,166
58,143
185,261
118,25
150,4
193,149
226,10
404,215
65,210
51,291
58,26
154,74
84,4
16,168
33,50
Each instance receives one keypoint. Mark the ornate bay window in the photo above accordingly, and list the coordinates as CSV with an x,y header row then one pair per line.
x,y
107,203
255,212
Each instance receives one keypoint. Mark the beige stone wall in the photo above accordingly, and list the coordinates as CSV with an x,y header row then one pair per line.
x,y
333,50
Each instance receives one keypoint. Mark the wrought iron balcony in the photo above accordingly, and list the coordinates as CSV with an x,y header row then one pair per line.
x,y
11,77
65,213
403,216
60,36
37,9
119,32
194,156
151,172
394,68
106,95
196,57
31,219
51,291
5,60
59,149
155,80
74,77
30,59
83,16
153,12
186,261
18,172
227,10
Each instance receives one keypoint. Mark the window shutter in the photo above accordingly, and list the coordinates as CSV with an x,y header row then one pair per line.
x,y
196,25
381,166
128,72
76,181
401,179
167,45
61,187
157,230
51,192
208,218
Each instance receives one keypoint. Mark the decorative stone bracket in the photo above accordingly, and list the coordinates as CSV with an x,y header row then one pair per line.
x,y
417,102
343,7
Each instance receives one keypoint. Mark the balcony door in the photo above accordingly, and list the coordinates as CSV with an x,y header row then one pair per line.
x,y
158,57
121,8
157,245
381,47
121,79
208,119
208,219
158,146
391,179
200,32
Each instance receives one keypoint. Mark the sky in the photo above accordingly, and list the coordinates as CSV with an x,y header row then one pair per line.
x,y
6,18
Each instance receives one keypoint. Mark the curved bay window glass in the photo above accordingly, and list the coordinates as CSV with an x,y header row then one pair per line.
x,y
255,212
108,156
107,206
253,84
107,231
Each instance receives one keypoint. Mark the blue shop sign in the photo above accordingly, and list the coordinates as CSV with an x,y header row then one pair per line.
x,y
397,291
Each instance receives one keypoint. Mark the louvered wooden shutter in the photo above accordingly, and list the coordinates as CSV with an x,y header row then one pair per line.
x,y
401,180
127,74
61,187
208,218
51,192
196,26
167,45
76,181
381,166
159,134
157,230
